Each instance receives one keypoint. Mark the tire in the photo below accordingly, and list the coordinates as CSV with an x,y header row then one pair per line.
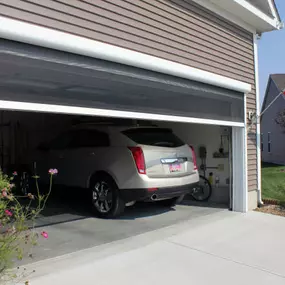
x,y
105,197
203,191
171,202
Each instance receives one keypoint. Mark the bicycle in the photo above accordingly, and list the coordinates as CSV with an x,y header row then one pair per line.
x,y
203,191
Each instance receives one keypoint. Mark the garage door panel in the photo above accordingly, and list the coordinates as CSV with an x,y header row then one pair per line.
x,y
172,105
41,60
55,77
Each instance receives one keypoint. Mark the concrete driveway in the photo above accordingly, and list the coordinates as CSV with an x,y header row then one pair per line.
x,y
220,248
71,227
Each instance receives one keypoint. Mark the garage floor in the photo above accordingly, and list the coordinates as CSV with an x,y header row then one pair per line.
x,y
72,228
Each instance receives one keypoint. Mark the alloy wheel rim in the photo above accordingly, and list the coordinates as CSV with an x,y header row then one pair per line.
x,y
102,197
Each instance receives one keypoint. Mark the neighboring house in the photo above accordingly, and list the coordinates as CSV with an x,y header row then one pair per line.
x,y
151,53
273,121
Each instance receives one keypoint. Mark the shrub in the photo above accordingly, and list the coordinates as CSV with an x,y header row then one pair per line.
x,y
17,223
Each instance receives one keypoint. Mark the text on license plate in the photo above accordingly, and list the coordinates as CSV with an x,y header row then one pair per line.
x,y
175,167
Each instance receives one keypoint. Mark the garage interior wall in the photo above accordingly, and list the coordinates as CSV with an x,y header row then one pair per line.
x,y
22,132
209,136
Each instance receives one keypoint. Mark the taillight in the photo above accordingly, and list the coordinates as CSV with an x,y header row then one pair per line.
x,y
194,158
138,156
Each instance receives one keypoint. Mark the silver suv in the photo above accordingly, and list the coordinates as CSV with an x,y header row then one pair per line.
x,y
122,165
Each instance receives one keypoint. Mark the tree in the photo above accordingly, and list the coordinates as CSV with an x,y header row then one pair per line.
x,y
280,119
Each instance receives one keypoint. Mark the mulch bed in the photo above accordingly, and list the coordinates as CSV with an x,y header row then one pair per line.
x,y
272,207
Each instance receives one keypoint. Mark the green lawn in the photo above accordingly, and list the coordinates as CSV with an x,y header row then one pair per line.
x,y
273,182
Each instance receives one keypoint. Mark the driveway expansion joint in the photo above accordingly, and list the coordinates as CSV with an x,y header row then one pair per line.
x,y
225,258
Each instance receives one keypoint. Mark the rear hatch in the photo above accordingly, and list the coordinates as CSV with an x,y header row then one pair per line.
x,y
164,153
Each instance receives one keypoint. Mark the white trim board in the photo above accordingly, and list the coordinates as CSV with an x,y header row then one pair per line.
x,y
257,12
243,14
32,34
240,184
72,110
273,9
244,159
240,167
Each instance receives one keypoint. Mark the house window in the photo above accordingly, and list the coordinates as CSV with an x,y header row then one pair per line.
x,y
269,142
261,142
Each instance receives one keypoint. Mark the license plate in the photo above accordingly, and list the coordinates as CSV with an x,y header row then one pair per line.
x,y
175,167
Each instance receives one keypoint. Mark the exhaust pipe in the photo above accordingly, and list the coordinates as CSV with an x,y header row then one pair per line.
x,y
153,197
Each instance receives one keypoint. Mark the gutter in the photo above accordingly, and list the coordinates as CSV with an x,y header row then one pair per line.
x,y
258,141
280,23
40,36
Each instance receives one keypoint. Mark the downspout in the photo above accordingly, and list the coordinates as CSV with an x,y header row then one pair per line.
x,y
258,149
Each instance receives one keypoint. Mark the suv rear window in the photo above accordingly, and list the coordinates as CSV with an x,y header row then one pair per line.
x,y
154,137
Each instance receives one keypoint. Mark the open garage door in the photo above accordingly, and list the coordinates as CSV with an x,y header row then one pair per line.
x,y
45,80
36,75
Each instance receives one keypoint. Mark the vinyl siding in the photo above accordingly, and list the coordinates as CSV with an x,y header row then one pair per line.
x,y
177,30
268,124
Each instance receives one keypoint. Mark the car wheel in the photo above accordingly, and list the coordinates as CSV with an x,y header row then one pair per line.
x,y
171,202
106,201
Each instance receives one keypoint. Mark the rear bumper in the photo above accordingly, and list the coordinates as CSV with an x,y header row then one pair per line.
x,y
129,195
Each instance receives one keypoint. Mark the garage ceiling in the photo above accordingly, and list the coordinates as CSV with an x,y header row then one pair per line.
x,y
34,74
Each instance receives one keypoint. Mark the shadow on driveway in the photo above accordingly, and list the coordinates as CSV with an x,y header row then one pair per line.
x,y
72,227
69,206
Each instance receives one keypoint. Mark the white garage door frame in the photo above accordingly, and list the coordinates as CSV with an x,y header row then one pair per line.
x,y
240,167
27,33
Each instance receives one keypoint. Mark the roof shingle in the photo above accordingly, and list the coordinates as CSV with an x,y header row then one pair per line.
x,y
279,80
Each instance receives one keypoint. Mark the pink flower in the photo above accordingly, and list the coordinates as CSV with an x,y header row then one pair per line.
x,y
44,234
11,185
53,171
15,173
8,213
4,193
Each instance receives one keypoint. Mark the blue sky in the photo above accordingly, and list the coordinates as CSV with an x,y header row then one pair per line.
x,y
272,52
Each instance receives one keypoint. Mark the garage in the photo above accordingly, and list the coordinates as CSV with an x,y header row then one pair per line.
x,y
67,217
44,91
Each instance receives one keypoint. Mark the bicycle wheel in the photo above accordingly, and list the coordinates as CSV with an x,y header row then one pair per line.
x,y
203,191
